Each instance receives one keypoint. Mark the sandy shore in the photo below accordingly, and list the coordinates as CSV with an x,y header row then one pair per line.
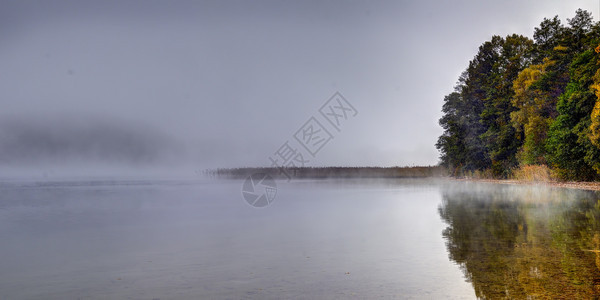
x,y
594,186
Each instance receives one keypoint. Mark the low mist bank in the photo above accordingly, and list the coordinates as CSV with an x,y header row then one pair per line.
x,y
70,139
333,172
76,146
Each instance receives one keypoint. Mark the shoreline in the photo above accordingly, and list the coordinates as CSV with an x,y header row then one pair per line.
x,y
583,185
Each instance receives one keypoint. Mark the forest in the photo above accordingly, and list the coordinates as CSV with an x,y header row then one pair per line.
x,y
523,102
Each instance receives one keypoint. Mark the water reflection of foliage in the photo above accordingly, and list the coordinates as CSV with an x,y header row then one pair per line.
x,y
525,242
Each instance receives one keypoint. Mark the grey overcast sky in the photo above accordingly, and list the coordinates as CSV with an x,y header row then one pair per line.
x,y
204,84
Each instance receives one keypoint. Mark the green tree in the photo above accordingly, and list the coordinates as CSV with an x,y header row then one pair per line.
x,y
510,56
577,35
547,37
452,142
571,151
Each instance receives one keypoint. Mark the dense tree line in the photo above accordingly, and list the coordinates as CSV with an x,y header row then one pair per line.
x,y
528,102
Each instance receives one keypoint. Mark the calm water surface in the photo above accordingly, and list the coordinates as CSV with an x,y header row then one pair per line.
x,y
320,239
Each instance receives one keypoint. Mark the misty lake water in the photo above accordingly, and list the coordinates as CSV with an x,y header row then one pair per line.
x,y
193,239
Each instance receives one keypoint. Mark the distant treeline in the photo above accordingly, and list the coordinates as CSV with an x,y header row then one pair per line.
x,y
332,172
527,102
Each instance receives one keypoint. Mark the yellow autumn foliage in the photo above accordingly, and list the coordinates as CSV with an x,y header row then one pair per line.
x,y
529,118
595,126
560,48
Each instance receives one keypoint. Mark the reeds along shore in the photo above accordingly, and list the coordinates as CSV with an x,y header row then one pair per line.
x,y
332,172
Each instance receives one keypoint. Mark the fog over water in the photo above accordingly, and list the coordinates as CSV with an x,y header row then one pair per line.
x,y
144,87
191,239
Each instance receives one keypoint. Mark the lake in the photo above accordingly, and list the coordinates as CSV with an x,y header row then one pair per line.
x,y
325,239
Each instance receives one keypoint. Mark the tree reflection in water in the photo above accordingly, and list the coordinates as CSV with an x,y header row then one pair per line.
x,y
524,241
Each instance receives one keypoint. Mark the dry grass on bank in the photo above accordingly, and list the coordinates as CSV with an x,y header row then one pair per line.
x,y
534,173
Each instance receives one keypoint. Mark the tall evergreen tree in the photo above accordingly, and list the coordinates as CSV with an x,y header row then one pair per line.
x,y
501,140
